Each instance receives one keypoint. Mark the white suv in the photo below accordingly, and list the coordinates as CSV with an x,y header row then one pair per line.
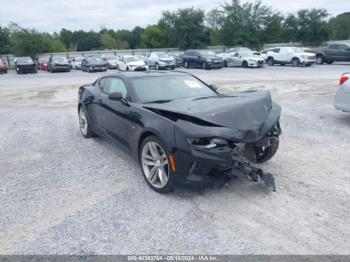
x,y
289,55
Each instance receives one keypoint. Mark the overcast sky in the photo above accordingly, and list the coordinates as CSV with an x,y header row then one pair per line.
x,y
52,15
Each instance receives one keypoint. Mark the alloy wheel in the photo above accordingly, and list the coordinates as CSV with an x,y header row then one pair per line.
x,y
155,165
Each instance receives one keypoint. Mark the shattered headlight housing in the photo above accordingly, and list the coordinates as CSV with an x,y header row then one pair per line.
x,y
207,142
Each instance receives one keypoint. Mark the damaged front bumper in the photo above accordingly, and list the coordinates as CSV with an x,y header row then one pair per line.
x,y
218,165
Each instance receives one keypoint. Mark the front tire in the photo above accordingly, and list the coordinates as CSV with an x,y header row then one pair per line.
x,y
245,64
204,66
157,66
295,62
84,123
270,61
155,165
330,62
264,154
319,60
186,65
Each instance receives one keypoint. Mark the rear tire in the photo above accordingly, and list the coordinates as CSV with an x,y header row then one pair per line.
x,y
84,123
295,62
265,154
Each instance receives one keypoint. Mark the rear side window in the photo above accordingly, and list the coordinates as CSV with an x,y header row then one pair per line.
x,y
343,47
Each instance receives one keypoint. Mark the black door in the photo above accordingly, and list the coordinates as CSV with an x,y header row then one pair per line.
x,y
344,52
113,116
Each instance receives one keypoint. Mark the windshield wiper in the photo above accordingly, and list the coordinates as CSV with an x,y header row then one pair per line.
x,y
160,101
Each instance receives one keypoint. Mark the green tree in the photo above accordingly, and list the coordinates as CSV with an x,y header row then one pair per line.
x,y
339,27
290,28
312,26
185,28
214,20
4,40
107,41
153,37
244,24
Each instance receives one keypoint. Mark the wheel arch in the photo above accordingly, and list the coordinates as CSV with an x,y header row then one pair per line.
x,y
143,136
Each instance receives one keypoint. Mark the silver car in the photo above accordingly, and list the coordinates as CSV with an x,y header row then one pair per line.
x,y
342,98
243,57
160,60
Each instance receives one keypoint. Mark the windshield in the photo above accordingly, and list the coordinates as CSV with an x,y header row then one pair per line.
x,y
95,59
60,59
246,53
131,59
44,60
148,89
24,60
297,50
207,53
109,58
162,55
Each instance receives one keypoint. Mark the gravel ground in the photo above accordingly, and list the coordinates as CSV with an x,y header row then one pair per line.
x,y
63,194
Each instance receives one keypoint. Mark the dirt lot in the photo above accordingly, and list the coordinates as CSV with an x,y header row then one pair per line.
x,y
63,194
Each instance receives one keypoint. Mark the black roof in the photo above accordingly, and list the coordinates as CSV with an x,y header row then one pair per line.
x,y
138,74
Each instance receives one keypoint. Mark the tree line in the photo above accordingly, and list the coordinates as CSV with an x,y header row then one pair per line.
x,y
249,24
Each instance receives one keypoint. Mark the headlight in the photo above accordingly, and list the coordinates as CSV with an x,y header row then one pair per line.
x,y
207,142
209,60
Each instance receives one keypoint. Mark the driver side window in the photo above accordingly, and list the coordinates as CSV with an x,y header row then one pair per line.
x,y
112,85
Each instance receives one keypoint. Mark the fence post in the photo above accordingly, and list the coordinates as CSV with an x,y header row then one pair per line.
x,y
8,60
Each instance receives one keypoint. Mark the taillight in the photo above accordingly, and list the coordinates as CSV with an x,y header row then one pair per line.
x,y
343,79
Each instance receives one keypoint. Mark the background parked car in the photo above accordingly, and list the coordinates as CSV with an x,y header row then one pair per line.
x,y
160,60
290,55
244,58
112,61
43,63
177,56
205,59
264,52
59,64
333,52
131,63
3,67
76,62
93,64
25,65
342,98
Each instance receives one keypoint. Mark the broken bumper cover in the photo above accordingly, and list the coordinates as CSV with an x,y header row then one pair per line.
x,y
204,166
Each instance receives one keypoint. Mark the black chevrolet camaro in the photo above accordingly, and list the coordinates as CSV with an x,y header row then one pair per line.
x,y
180,129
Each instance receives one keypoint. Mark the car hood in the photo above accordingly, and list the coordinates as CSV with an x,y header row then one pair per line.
x,y
97,63
253,57
25,63
137,63
243,111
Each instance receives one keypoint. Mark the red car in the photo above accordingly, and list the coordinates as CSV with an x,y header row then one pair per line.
x,y
3,67
43,63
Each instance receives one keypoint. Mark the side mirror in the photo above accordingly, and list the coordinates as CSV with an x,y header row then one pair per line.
x,y
214,87
116,96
